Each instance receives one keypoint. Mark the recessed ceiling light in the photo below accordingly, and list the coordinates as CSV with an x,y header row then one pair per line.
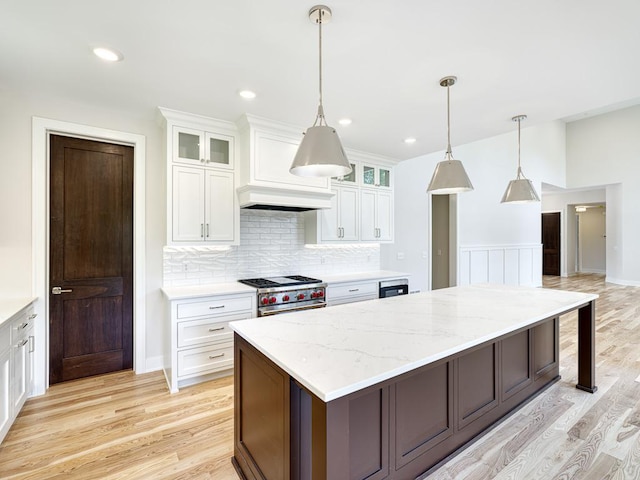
x,y
108,54
247,94
344,121
410,140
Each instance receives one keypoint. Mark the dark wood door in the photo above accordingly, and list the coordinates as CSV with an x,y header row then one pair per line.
x,y
91,258
551,243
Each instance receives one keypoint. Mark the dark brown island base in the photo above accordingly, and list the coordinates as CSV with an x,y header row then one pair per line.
x,y
403,426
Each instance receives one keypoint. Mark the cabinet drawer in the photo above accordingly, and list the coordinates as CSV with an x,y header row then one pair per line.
x,y
205,359
352,290
21,328
215,306
207,330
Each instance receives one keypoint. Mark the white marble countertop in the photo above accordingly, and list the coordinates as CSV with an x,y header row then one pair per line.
x,y
9,307
363,276
195,291
337,351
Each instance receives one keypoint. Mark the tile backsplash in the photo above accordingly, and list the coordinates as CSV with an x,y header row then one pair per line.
x,y
271,243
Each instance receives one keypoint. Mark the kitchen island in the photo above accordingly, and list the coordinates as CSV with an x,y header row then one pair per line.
x,y
386,389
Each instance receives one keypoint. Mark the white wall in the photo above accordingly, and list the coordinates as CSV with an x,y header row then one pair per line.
x,y
605,149
482,220
564,203
15,184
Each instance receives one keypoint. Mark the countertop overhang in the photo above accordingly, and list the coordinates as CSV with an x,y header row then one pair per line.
x,y
339,350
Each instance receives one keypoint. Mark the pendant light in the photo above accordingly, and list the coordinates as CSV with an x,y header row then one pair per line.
x,y
320,153
521,189
449,175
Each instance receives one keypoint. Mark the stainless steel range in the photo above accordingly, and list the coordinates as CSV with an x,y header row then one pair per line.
x,y
288,294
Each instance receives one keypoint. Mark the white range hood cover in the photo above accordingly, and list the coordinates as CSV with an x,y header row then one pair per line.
x,y
273,198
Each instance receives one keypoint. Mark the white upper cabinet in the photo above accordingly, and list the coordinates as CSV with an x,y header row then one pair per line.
x,y
376,176
376,215
338,223
199,147
202,203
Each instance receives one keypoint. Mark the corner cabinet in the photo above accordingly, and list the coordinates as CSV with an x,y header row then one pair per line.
x,y
202,204
16,365
199,346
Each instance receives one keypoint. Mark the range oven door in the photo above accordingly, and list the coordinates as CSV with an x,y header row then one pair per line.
x,y
277,309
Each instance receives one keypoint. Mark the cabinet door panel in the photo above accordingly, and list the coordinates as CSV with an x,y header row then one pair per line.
x,y
5,392
220,198
384,214
188,204
329,220
188,145
349,213
368,215
219,150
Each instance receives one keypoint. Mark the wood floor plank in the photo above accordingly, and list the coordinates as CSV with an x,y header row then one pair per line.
x,y
123,426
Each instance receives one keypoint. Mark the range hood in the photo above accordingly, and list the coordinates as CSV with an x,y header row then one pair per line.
x,y
266,149
259,197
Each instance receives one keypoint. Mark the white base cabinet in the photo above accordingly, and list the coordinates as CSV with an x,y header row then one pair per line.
x,y
199,346
16,366
350,292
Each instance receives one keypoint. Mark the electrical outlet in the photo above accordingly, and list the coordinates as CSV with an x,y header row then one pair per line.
x,y
425,254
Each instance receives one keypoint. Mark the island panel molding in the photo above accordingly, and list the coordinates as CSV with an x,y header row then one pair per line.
x,y
345,426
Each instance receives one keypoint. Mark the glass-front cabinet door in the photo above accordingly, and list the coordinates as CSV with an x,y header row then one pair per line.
x,y
375,176
202,148
351,179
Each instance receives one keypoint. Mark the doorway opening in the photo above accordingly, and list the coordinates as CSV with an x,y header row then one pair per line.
x,y
588,237
444,241
42,128
90,258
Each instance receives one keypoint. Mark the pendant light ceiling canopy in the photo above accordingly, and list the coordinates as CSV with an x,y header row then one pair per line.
x,y
449,175
521,189
320,153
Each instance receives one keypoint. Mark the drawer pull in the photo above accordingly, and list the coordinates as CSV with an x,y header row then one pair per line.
x,y
354,290
22,326
216,329
32,316
211,357
216,307
22,343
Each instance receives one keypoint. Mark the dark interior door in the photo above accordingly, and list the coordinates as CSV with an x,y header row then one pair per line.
x,y
551,243
91,258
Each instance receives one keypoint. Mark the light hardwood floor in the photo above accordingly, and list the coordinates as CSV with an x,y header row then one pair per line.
x,y
123,426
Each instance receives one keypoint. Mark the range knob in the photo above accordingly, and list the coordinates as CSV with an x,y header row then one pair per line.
x,y
301,296
314,294
265,301
285,298
320,293
272,300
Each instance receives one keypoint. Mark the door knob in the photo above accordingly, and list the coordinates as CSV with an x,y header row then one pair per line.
x,y
59,290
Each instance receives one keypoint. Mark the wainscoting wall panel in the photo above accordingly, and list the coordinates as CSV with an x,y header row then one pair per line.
x,y
501,264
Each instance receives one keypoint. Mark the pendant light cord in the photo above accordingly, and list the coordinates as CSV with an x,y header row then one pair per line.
x,y
520,175
320,117
448,154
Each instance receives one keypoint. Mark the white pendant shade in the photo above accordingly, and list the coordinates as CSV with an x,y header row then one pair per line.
x,y
320,154
449,177
520,190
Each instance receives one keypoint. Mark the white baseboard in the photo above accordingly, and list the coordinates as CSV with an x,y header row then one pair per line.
x,y
619,281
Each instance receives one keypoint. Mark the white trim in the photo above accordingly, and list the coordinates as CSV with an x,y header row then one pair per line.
x,y
620,281
41,128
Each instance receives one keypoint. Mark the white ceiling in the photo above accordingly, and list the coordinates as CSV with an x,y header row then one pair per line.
x,y
548,59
